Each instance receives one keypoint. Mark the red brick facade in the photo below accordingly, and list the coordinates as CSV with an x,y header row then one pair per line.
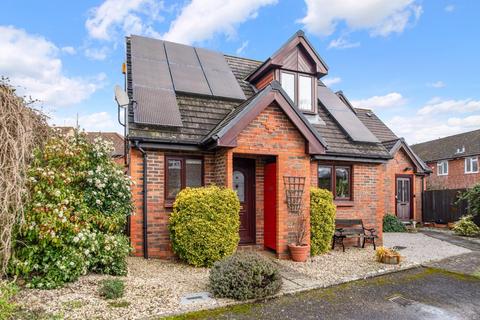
x,y
456,178
402,165
269,136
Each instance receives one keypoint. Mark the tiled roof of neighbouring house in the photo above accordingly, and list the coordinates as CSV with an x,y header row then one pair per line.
x,y
113,137
201,115
456,146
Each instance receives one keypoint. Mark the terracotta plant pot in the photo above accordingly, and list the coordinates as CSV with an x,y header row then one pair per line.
x,y
299,253
440,225
393,259
451,225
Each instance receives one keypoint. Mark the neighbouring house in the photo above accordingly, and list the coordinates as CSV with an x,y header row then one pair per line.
x,y
117,140
453,160
199,117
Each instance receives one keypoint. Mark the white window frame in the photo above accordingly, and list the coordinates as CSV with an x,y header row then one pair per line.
x,y
441,164
471,160
296,98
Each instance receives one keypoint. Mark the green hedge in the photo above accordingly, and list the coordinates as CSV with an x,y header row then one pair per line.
x,y
322,220
391,223
244,276
204,224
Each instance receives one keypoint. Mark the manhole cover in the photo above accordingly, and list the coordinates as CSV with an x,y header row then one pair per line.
x,y
201,297
399,248
402,301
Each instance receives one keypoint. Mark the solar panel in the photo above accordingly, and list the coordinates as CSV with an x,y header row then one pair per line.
x,y
189,79
181,54
212,60
219,75
151,73
156,106
224,84
147,48
344,116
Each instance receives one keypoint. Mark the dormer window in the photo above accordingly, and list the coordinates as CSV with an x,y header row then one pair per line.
x,y
300,88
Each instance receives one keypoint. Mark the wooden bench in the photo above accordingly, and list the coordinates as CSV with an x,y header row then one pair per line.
x,y
353,228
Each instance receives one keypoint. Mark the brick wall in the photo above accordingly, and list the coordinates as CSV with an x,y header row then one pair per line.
x,y
273,134
158,211
402,165
456,178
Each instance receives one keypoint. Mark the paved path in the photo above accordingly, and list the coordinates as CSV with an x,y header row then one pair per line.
x,y
417,294
421,248
468,263
453,239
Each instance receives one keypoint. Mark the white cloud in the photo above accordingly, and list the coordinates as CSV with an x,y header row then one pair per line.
x,y
380,17
127,17
330,81
392,99
96,53
242,48
437,84
98,121
417,128
69,50
202,19
450,8
470,121
342,43
438,105
31,62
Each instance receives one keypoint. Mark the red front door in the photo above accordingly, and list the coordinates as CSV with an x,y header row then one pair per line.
x,y
244,186
270,205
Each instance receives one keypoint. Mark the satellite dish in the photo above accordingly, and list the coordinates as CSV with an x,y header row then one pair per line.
x,y
121,97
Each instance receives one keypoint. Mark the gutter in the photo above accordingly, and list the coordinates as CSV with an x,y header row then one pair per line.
x,y
350,159
144,206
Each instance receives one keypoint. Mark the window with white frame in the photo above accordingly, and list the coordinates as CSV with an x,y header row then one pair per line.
x,y
471,165
442,168
300,88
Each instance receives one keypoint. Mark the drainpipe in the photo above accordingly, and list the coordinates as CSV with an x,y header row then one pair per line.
x,y
145,209
423,195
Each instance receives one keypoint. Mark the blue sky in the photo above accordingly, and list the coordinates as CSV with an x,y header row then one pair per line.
x,y
414,62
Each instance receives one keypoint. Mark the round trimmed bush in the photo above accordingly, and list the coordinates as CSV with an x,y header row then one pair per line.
x,y
244,276
391,223
322,220
204,225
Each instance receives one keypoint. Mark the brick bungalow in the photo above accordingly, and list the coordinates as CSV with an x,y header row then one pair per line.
x,y
453,160
200,117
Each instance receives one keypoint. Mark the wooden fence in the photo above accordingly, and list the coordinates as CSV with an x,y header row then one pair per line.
x,y
442,206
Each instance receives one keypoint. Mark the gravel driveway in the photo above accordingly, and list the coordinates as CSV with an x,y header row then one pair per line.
x,y
420,248
156,287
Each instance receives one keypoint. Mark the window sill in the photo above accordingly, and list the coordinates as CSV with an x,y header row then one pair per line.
x,y
168,204
344,203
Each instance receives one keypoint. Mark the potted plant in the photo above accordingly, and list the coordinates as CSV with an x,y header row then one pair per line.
x,y
299,250
387,255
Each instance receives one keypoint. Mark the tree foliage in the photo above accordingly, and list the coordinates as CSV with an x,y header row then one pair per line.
x,y
76,214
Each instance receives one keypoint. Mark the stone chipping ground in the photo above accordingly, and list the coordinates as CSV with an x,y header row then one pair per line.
x,y
154,287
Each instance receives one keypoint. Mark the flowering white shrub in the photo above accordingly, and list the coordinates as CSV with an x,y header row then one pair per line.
x,y
74,222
